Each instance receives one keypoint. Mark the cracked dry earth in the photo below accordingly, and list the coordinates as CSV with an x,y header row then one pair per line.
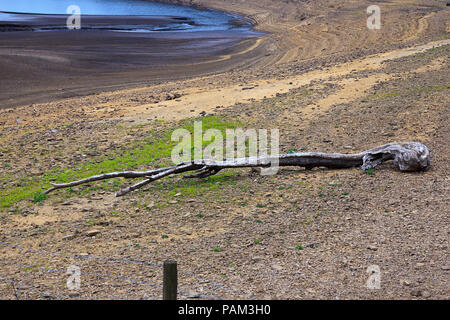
x,y
296,235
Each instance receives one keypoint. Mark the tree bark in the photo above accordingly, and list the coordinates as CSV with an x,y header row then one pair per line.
x,y
408,156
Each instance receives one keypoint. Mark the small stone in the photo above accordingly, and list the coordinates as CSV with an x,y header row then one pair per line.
x,y
277,267
173,202
68,237
416,293
92,232
372,247
257,259
193,294
405,282
25,212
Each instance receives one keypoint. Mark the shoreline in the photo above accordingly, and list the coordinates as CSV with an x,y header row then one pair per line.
x,y
213,6
109,46
297,38
66,77
153,23
51,22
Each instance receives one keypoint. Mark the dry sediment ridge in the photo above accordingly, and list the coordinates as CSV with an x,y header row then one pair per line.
x,y
299,34
207,99
302,29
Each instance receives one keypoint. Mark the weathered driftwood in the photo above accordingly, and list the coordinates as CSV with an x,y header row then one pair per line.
x,y
409,156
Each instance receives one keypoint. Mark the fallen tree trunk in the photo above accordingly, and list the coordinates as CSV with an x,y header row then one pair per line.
x,y
409,156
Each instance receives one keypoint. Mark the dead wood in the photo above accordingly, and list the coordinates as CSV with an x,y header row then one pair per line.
x,y
409,156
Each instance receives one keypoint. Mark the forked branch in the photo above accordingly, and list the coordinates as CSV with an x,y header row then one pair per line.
x,y
409,156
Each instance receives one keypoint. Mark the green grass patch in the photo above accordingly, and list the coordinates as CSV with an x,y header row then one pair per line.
x,y
154,151
195,187
384,95
34,268
358,12
39,197
429,89
420,90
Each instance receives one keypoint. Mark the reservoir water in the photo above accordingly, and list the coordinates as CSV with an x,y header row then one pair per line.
x,y
122,44
199,20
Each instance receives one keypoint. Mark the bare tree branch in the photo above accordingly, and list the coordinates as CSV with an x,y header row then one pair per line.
x,y
408,156
125,174
173,170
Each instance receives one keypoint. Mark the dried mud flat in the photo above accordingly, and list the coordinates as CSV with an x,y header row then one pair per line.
x,y
297,235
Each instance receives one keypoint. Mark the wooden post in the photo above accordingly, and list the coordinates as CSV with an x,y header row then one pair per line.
x,y
170,280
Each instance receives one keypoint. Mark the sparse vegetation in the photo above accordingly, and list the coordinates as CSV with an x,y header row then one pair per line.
x,y
39,197
152,151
